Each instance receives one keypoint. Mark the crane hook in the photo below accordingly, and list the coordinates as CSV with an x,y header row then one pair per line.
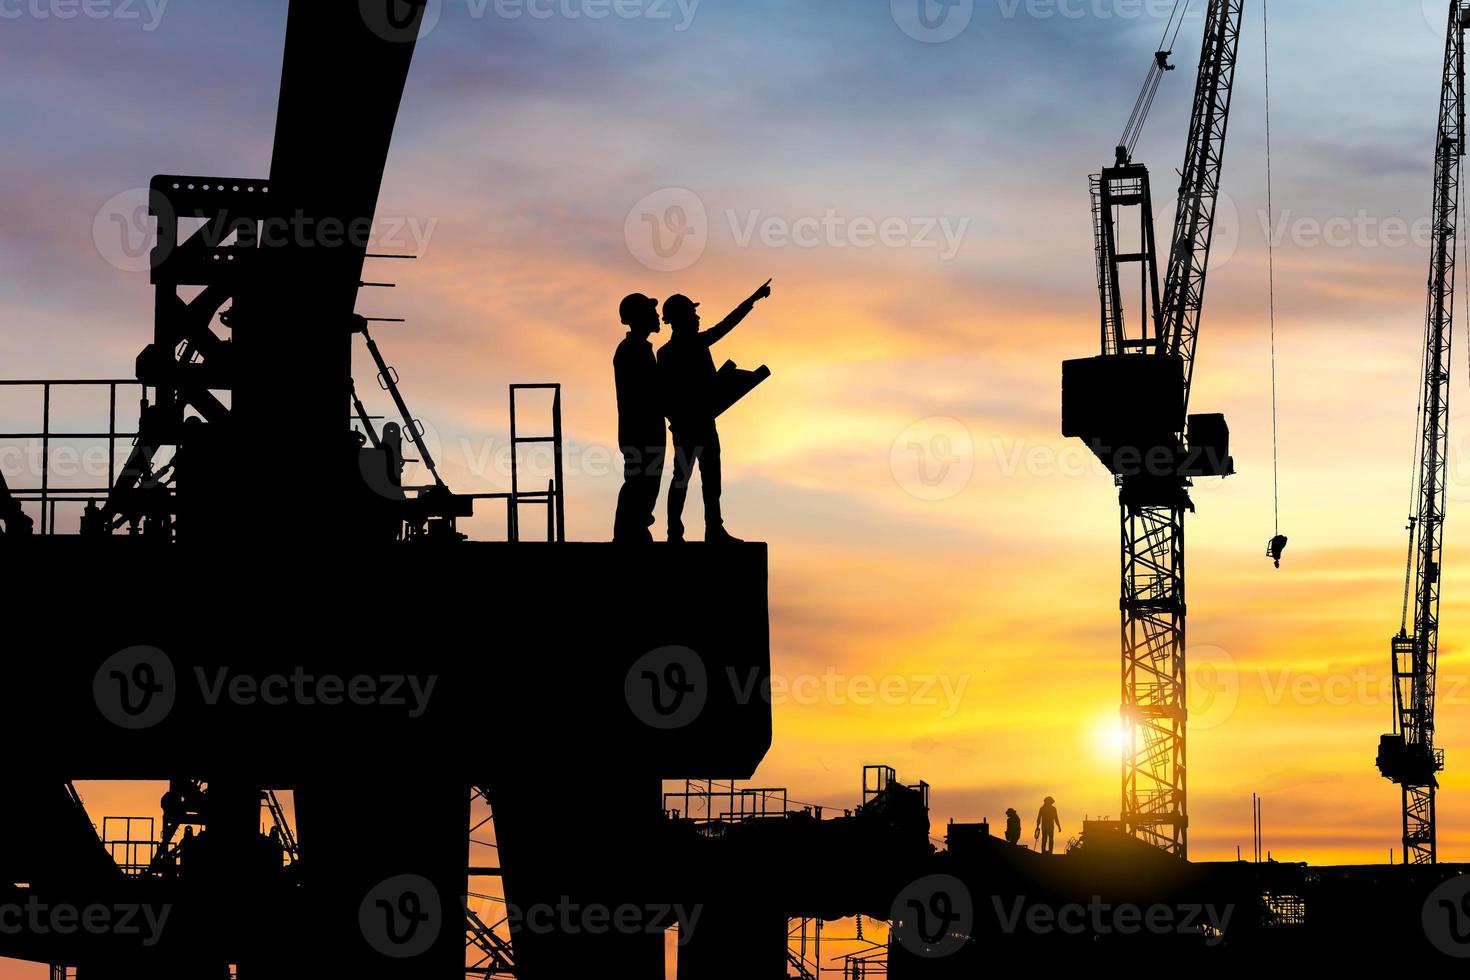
x,y
1275,547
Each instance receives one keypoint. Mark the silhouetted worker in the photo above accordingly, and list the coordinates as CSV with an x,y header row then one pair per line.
x,y
688,372
641,431
1013,826
1047,824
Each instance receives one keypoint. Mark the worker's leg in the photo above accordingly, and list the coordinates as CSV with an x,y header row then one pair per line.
x,y
684,456
643,467
652,478
709,478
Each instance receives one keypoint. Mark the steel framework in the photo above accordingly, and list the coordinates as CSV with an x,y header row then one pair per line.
x,y
1152,505
1408,756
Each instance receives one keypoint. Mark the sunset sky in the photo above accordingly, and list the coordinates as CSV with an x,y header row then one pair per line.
x,y
922,206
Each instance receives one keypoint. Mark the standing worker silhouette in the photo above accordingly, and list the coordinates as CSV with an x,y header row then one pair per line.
x,y
641,431
1047,824
688,372
1013,826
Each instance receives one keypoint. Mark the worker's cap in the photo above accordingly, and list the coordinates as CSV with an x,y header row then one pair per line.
x,y
636,304
679,305
1048,800
1010,809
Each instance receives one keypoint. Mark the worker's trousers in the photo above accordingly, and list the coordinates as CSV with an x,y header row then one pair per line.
x,y
643,469
702,444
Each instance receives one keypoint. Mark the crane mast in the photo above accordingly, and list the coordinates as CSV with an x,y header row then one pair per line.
x,y
1408,756
1131,406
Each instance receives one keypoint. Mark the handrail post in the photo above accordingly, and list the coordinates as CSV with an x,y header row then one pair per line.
x,y
561,513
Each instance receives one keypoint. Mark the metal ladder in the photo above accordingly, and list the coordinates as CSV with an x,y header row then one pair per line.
x,y
552,497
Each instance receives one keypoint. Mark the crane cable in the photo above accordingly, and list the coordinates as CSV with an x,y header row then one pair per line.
x,y
1150,90
1271,268
1278,543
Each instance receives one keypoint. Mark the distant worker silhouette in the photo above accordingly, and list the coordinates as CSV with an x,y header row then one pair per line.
x,y
1013,826
641,431
1047,824
688,372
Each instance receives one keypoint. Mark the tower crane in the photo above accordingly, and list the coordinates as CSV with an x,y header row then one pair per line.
x,y
1130,405
1407,756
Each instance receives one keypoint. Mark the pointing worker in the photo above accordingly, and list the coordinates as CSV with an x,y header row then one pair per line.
x,y
688,372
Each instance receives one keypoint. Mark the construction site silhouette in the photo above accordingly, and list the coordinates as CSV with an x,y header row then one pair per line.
x,y
237,656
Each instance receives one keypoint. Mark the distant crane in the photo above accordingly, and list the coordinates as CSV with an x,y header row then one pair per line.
x,y
1408,756
1131,406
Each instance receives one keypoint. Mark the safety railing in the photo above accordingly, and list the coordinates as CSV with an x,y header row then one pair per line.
x,y
37,486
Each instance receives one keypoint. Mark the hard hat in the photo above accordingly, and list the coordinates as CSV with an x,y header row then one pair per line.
x,y
678,304
635,304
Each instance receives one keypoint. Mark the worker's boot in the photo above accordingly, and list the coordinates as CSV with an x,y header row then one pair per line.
x,y
716,534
